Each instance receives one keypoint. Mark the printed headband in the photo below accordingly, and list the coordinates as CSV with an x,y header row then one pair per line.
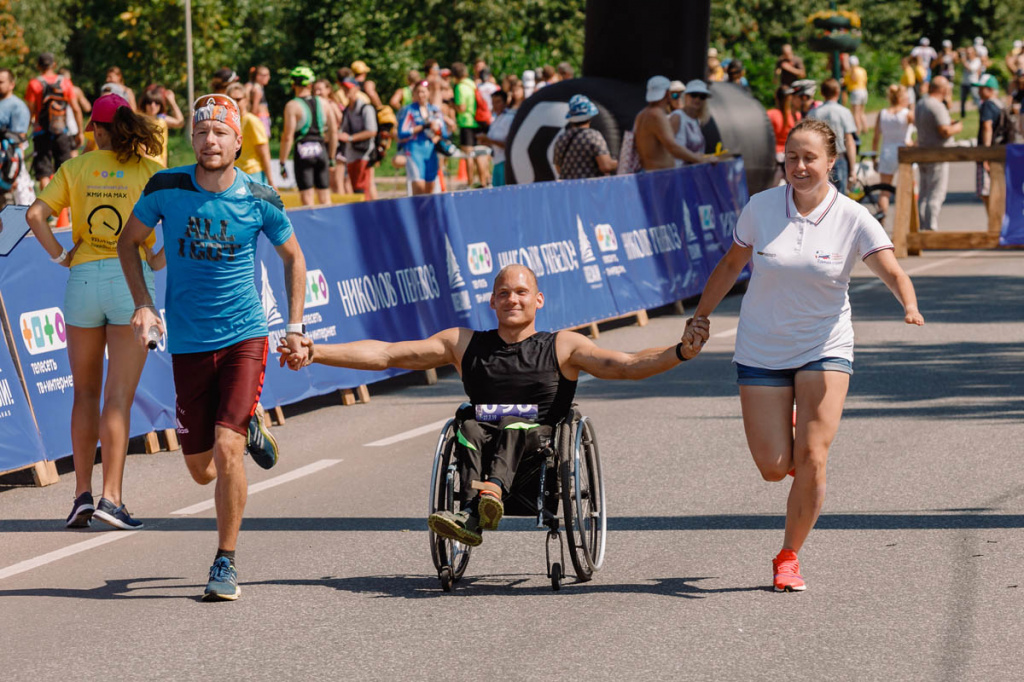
x,y
219,108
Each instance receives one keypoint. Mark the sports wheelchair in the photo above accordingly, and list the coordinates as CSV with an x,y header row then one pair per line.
x,y
567,472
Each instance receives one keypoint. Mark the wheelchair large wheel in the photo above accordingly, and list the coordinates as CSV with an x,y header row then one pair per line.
x,y
583,499
450,557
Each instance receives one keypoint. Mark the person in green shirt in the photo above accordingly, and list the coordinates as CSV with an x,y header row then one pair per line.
x,y
469,126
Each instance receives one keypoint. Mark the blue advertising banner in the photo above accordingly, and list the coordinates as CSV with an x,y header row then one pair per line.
x,y
408,268
33,290
1013,220
20,444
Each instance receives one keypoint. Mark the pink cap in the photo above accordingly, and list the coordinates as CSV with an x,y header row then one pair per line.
x,y
103,109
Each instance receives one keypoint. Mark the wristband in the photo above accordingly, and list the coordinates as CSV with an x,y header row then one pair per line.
x,y
60,259
297,328
147,305
679,352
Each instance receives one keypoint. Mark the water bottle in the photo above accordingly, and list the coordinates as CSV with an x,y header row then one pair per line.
x,y
153,337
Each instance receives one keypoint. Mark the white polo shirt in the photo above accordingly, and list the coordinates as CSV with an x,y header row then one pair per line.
x,y
796,309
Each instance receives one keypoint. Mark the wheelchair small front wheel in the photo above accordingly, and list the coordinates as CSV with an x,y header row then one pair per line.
x,y
445,575
556,576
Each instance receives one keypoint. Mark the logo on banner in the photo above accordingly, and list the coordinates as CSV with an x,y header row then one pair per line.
x,y
606,240
479,257
44,331
707,218
455,280
586,250
692,243
317,291
267,299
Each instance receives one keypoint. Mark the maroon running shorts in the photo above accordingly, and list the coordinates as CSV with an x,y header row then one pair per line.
x,y
359,174
217,388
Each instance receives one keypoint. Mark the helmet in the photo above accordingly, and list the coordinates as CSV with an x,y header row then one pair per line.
x,y
303,75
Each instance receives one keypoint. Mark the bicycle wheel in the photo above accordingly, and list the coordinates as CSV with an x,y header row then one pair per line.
x,y
872,195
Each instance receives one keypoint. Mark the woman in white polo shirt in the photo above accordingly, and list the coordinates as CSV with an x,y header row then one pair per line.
x,y
795,336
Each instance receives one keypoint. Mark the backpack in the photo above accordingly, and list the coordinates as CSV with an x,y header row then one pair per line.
x,y
483,108
53,107
386,124
10,159
1004,129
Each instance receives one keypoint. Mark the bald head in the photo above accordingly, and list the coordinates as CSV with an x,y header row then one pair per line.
x,y
938,85
510,272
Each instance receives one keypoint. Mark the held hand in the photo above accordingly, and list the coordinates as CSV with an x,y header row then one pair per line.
x,y
142,319
695,335
913,316
296,351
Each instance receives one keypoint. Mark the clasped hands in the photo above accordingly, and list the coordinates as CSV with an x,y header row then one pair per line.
x,y
296,355
695,335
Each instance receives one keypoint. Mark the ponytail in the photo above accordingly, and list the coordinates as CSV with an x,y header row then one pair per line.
x,y
133,135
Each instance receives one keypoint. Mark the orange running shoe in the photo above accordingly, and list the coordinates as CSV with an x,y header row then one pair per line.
x,y
787,572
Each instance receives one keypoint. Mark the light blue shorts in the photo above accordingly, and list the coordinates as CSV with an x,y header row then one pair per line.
x,y
97,294
758,376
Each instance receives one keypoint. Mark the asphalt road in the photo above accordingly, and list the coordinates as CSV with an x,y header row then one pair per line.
x,y
915,571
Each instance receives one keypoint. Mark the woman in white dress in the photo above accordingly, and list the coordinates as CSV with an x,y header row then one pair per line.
x,y
891,130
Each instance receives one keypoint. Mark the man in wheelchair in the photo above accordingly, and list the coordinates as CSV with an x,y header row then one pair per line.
x,y
521,383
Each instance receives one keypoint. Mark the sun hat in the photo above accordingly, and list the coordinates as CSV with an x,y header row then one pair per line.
x,y
657,88
217,107
581,109
359,67
104,108
677,86
947,43
303,75
697,87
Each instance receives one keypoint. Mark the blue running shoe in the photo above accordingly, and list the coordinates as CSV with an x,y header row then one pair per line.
x,y
81,511
223,581
118,517
261,444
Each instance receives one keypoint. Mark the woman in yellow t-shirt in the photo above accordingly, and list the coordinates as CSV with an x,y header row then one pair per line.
x,y
856,81
155,102
101,189
254,158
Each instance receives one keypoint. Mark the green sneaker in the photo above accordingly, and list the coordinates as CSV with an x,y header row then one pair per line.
x,y
490,510
458,526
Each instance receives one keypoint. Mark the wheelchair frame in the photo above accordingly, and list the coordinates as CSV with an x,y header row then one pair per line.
x,y
578,487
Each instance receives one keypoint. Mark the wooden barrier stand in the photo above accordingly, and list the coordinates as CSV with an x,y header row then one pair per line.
x,y
907,237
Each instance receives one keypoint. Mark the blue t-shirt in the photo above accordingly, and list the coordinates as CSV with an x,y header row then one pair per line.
x,y
14,115
989,111
210,242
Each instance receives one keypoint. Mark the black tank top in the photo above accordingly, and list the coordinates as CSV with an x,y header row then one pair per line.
x,y
525,373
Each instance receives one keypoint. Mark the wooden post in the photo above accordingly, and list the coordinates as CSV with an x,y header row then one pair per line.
x,y
171,436
152,443
678,308
363,393
904,205
277,415
430,375
44,473
641,318
593,330
347,397
996,201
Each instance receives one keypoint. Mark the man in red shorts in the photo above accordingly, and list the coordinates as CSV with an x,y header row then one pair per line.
x,y
212,216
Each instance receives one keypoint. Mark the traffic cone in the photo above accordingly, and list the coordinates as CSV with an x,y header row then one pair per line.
x,y
463,175
440,178
64,219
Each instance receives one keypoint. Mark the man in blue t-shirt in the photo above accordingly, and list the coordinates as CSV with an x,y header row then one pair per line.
x,y
15,120
212,214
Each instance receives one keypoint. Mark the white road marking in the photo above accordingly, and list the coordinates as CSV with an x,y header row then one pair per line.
x,y
927,266
113,536
265,485
71,550
406,435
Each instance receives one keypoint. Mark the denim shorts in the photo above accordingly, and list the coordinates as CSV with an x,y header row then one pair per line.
x,y
97,294
757,376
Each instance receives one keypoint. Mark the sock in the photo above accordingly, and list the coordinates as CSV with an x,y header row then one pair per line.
x,y
496,481
230,554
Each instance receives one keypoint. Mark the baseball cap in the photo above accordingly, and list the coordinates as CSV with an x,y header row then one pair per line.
x,y
987,80
677,86
925,42
947,43
979,41
219,108
351,83
303,75
580,109
697,87
104,108
657,87
529,77
712,51
1017,44
359,67
854,61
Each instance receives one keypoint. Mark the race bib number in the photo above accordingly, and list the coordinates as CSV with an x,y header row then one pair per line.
x,y
310,150
494,413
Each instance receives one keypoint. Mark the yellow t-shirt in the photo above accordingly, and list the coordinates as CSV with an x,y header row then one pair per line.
x,y
857,78
909,78
162,159
101,193
253,135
